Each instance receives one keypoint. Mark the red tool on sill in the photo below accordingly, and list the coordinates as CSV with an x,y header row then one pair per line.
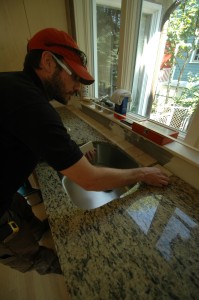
x,y
159,134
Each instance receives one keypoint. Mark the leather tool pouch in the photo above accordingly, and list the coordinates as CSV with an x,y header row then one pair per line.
x,y
7,230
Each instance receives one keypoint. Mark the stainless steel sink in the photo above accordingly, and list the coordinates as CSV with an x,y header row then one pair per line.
x,y
107,155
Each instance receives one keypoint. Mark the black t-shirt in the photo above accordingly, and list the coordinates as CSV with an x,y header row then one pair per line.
x,y
30,128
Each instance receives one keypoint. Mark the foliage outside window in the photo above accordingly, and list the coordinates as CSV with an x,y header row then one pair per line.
x,y
108,27
179,91
176,97
90,40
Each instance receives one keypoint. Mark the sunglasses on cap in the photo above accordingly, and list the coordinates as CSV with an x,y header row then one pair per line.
x,y
61,64
80,53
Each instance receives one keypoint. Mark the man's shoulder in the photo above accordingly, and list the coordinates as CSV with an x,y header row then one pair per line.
x,y
12,75
15,80
19,89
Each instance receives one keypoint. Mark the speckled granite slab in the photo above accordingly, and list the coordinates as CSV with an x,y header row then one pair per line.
x,y
143,246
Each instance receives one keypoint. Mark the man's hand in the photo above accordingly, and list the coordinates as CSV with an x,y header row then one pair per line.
x,y
154,176
90,155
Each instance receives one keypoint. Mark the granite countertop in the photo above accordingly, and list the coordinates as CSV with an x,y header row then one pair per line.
x,y
143,246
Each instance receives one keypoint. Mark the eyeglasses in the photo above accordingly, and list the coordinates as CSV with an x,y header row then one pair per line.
x,y
61,64
80,53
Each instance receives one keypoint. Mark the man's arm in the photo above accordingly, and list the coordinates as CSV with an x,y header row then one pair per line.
x,y
93,178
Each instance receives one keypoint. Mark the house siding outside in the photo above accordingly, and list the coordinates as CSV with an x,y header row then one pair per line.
x,y
191,67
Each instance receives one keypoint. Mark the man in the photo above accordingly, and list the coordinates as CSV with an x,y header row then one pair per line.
x,y
30,128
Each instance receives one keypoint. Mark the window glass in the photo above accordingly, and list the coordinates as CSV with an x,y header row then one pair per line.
x,y
164,83
108,27
177,95
195,57
141,73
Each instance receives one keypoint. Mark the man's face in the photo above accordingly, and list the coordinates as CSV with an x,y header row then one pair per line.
x,y
61,86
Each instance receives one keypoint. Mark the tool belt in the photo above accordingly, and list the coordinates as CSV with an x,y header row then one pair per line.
x,y
8,228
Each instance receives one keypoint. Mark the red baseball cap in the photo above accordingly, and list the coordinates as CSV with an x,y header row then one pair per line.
x,y
59,42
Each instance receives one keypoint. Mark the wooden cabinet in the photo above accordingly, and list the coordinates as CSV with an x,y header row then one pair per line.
x,y
14,33
19,20
34,181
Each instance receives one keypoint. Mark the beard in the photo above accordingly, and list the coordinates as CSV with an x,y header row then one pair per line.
x,y
55,88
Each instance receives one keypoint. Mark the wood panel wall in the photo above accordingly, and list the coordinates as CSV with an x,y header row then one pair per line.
x,y
19,20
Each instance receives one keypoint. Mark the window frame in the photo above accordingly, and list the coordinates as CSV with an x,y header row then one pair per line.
x,y
192,60
130,16
154,10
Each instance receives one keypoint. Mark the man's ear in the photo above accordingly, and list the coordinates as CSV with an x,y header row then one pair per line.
x,y
47,62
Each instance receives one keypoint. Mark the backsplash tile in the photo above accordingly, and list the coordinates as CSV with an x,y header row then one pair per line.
x,y
158,153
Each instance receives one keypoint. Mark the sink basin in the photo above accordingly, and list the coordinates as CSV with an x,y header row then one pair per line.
x,y
107,155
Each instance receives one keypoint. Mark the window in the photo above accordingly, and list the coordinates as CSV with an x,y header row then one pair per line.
x,y
108,29
176,95
139,59
195,57
147,49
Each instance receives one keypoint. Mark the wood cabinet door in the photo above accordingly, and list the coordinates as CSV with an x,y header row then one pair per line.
x,y
14,34
19,20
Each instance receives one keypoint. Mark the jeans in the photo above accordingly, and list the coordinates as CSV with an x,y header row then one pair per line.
x,y
21,250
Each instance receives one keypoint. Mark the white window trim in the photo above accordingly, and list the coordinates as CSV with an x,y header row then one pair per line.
x,y
192,61
155,11
83,10
110,3
130,13
192,136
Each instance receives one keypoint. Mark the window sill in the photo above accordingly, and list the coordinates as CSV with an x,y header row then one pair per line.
x,y
176,148
184,152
